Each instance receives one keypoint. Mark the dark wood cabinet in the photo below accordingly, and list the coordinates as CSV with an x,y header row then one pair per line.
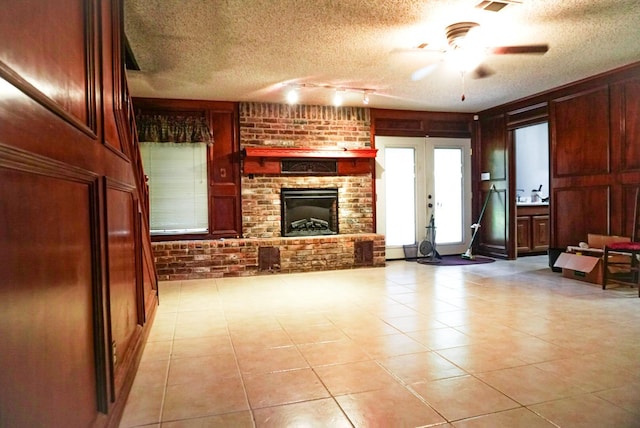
x,y
540,233
532,229
523,234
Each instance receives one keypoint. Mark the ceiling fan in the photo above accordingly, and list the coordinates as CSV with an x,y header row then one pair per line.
x,y
467,53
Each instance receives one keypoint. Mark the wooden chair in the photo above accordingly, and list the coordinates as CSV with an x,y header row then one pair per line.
x,y
628,271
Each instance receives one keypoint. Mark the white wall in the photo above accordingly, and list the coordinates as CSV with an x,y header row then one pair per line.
x,y
532,159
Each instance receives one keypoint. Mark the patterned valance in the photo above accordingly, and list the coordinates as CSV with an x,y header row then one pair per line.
x,y
159,128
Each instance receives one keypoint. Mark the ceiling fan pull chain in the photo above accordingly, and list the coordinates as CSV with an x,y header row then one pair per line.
x,y
462,98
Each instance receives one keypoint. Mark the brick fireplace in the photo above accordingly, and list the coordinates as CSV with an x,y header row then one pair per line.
x,y
272,137
275,127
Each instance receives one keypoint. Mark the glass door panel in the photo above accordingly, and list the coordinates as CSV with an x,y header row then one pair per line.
x,y
448,183
450,161
400,190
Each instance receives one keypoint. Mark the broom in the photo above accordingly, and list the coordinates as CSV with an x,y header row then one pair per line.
x,y
468,254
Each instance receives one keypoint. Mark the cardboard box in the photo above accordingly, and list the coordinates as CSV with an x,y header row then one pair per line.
x,y
586,264
580,267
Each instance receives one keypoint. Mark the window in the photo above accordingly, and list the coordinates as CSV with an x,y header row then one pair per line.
x,y
177,187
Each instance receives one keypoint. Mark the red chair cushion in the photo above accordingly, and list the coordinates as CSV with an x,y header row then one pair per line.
x,y
625,246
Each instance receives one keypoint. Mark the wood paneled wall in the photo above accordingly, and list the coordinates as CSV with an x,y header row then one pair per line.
x,y
406,123
594,157
492,159
77,279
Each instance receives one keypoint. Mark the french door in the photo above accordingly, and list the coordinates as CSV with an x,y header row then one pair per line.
x,y
418,179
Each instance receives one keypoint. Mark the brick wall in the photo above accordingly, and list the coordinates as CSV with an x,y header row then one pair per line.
x,y
281,125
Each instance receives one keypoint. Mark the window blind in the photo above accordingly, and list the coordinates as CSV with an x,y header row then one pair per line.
x,y
177,187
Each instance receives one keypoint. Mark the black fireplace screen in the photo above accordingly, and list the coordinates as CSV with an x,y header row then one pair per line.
x,y
309,212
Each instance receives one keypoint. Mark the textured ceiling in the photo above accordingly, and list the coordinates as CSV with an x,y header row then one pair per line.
x,y
245,50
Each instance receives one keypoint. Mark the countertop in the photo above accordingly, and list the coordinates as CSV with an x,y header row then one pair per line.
x,y
532,204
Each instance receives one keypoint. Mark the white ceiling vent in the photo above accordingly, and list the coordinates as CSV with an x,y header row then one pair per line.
x,y
496,5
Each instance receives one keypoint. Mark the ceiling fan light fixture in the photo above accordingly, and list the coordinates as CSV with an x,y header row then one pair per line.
x,y
464,60
457,33
466,50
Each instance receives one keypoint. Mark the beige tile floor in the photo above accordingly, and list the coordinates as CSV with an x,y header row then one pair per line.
x,y
506,344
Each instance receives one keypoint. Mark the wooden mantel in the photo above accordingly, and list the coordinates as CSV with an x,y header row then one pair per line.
x,y
268,160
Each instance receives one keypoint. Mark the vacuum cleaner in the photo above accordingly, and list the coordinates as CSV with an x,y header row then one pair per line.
x,y
428,245
469,254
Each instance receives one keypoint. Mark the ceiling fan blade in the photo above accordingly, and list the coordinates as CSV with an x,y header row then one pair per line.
x,y
423,72
418,49
524,49
482,71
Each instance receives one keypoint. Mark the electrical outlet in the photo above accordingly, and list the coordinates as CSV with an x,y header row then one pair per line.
x,y
114,354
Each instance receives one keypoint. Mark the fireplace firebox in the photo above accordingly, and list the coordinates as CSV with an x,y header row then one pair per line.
x,y
309,212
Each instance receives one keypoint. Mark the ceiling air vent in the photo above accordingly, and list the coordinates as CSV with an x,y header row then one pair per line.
x,y
496,5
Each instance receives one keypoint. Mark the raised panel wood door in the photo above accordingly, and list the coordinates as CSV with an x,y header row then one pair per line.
x,y
494,234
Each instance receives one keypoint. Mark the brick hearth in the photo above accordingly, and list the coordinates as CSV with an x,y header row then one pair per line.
x,y
239,257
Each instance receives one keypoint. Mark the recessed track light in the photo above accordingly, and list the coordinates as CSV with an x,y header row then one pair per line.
x,y
293,92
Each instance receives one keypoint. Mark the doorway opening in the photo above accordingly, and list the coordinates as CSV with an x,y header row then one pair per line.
x,y
532,195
